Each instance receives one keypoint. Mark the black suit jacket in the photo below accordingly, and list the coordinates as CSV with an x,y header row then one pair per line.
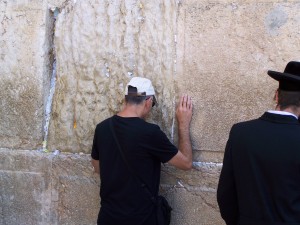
x,y
260,179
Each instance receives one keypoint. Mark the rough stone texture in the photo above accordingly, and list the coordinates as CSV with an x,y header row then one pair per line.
x,y
223,53
217,51
19,205
24,71
192,194
25,190
192,207
100,45
77,189
46,189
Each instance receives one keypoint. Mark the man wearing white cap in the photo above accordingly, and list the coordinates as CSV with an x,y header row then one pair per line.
x,y
128,152
260,179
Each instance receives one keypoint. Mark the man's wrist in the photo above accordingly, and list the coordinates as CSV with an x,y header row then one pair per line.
x,y
184,127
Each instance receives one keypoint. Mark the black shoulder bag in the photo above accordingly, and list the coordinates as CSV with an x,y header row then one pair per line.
x,y
163,209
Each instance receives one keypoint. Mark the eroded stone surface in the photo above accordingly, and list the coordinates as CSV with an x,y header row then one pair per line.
x,y
224,51
24,62
77,189
23,198
75,201
100,45
203,176
43,188
39,188
25,190
218,51
193,207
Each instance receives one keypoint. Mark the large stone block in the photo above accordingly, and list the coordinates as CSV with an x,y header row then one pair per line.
x,y
192,194
25,69
43,188
224,50
76,190
46,189
25,190
75,202
100,45
23,198
193,207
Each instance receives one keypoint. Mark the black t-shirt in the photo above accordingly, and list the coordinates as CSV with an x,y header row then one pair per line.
x,y
145,146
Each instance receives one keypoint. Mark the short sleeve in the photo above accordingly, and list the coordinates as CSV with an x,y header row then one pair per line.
x,y
95,150
161,147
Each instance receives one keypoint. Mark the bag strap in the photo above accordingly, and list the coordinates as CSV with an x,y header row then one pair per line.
x,y
142,184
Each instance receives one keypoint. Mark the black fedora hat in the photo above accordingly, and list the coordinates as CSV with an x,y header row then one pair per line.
x,y
289,80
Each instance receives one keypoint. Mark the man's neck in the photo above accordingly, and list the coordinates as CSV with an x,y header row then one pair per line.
x,y
295,111
131,111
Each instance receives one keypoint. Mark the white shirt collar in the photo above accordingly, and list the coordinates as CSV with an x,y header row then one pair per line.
x,y
282,113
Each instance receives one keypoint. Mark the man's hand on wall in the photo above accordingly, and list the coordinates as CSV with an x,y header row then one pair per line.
x,y
184,111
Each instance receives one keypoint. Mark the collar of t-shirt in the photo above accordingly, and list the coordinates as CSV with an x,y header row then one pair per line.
x,y
282,113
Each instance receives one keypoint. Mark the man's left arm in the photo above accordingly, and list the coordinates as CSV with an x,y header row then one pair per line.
x,y
184,158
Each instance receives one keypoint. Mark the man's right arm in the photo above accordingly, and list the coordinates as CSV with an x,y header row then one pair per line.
x,y
183,159
95,153
95,164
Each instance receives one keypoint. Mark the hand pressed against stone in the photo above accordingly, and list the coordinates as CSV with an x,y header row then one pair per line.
x,y
184,111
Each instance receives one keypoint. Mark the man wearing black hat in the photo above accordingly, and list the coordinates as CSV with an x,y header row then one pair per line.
x,y
260,179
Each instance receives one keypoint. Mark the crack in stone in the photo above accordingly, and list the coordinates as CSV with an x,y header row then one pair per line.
x,y
52,57
3,22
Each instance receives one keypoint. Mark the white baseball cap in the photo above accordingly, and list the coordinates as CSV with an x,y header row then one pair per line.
x,y
143,87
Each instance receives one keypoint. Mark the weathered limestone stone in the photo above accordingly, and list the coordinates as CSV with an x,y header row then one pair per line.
x,y
192,193
217,51
100,45
46,189
18,203
24,62
77,189
193,207
204,176
40,188
224,50
25,190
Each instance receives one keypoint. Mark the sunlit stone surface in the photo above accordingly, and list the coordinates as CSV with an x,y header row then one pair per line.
x,y
217,51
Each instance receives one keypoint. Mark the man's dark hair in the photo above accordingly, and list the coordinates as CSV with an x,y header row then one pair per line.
x,y
133,99
288,99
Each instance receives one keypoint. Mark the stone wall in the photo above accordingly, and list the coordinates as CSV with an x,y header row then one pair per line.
x,y
84,52
99,47
24,62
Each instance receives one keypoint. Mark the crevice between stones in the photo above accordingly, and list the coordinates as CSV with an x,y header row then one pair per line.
x,y
53,13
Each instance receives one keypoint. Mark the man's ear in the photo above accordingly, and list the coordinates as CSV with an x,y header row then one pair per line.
x,y
149,102
276,97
